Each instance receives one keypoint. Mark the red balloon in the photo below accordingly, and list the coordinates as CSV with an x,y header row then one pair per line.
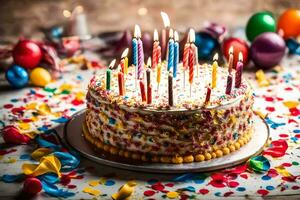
x,y
238,45
32,186
27,54
12,135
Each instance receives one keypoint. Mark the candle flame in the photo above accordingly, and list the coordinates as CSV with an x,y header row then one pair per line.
x,y
112,64
67,13
166,19
191,35
78,9
125,53
176,37
240,57
231,50
171,34
149,62
155,35
137,31
216,57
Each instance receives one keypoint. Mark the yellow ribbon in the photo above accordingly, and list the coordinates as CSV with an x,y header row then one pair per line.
x,y
125,191
40,152
47,164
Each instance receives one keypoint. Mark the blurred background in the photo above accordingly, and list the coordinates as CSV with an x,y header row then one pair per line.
x,y
26,17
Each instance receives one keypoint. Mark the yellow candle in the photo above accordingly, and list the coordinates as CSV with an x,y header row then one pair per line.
x,y
125,60
126,65
158,73
214,71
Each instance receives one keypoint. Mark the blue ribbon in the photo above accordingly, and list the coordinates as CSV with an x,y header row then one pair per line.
x,y
68,161
54,191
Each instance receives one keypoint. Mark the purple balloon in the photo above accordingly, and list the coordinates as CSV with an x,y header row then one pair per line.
x,y
267,50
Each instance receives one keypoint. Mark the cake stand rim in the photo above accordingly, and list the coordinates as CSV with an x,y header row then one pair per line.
x,y
91,154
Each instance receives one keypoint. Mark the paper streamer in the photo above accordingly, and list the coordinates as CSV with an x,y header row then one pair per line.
x,y
47,144
12,178
68,161
47,164
40,152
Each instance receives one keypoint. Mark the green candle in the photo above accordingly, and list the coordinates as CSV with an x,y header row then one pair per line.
x,y
108,79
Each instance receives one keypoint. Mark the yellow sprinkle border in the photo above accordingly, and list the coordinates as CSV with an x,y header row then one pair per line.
x,y
167,159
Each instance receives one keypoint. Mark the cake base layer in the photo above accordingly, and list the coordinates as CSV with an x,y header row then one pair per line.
x,y
167,159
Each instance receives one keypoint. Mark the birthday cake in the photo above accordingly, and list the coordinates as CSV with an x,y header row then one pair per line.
x,y
178,121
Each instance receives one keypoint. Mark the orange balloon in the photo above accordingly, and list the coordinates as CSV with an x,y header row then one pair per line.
x,y
289,23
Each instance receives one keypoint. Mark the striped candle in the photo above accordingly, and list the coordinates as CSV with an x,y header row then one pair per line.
x,y
170,50
156,50
239,71
176,54
143,91
134,52
141,59
229,84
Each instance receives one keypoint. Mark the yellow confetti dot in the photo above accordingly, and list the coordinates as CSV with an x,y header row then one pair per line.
x,y
24,126
94,183
91,191
44,109
31,106
291,104
65,86
172,195
10,160
80,95
102,180
282,171
259,113
261,78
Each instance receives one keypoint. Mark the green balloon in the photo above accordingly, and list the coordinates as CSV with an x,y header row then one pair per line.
x,y
259,23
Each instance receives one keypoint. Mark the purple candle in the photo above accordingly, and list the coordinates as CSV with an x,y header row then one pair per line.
x,y
141,58
239,71
229,84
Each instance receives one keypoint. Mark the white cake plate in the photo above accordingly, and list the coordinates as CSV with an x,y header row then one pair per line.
x,y
73,136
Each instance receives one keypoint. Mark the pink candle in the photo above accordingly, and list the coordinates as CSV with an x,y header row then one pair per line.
x,y
229,84
156,50
239,71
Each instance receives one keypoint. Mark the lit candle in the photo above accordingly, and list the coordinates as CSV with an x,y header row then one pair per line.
x,y
176,54
170,89
156,52
229,84
239,71
165,34
143,92
124,61
148,78
140,55
208,94
214,71
185,59
194,47
121,83
191,69
230,60
171,50
135,46
158,74
108,74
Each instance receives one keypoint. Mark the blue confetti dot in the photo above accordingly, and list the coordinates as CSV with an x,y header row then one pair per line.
x,y
296,131
25,157
14,100
270,187
241,189
109,182
112,121
43,128
266,178
72,109
294,139
189,188
218,194
60,120
199,181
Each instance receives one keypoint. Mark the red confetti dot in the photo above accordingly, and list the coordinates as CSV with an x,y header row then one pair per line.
x,y
283,135
292,121
233,184
158,186
286,164
295,187
149,193
270,99
203,191
227,194
288,89
294,111
297,136
169,184
272,173
76,102
8,106
271,109
245,176
263,192
72,186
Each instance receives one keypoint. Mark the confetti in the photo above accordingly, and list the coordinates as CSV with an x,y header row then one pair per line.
x,y
91,191
259,164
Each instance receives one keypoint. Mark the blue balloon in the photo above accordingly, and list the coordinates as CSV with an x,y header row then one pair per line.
x,y
206,45
17,76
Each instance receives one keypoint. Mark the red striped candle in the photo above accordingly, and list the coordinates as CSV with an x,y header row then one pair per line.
x,y
143,91
229,84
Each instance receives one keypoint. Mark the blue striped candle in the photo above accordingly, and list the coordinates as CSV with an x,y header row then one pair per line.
x,y
176,58
134,52
171,54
